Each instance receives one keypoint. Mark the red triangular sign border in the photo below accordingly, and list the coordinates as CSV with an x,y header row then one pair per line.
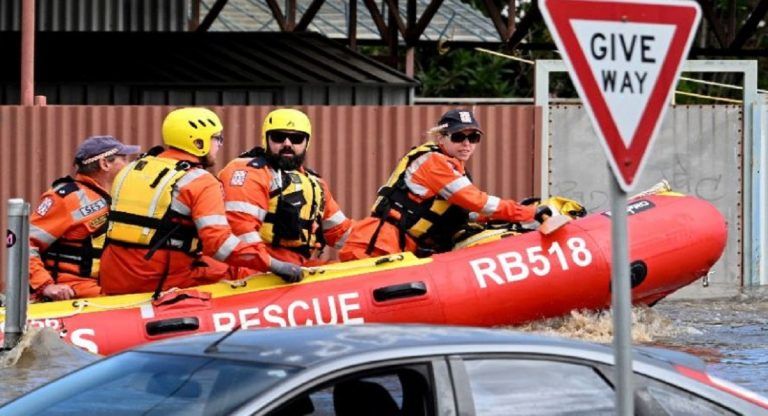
x,y
626,162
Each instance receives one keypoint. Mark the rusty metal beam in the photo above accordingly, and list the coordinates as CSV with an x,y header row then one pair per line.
x,y
310,13
511,13
394,12
425,18
410,21
495,15
290,15
211,16
750,26
277,13
392,22
352,25
533,16
378,19
27,91
194,19
708,9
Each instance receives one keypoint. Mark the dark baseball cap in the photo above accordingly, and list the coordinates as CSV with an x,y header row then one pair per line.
x,y
457,120
97,147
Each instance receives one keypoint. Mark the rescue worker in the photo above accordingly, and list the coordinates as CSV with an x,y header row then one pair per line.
x,y
272,197
68,227
167,210
430,197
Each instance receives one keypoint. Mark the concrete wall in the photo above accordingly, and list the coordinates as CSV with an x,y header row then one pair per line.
x,y
698,150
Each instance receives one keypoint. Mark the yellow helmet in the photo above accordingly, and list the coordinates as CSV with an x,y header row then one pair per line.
x,y
183,127
285,119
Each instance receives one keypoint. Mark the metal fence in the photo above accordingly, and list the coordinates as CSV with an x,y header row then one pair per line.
x,y
698,151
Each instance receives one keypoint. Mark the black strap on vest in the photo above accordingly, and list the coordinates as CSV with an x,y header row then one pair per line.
x,y
396,197
80,253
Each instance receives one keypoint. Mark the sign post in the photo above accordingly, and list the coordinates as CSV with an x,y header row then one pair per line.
x,y
624,58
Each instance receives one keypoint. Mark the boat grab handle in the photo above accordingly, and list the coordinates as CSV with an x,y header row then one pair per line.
x,y
403,290
166,326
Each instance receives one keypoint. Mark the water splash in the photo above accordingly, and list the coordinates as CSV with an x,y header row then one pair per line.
x,y
40,356
597,326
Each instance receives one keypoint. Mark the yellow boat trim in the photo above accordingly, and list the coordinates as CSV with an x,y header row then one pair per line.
x,y
254,283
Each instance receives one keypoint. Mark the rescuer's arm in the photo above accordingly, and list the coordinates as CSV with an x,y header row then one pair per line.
x,y
440,175
48,223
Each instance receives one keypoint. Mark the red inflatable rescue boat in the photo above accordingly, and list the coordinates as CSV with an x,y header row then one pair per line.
x,y
674,240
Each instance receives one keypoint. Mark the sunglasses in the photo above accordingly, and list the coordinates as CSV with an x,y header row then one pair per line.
x,y
219,138
473,137
280,136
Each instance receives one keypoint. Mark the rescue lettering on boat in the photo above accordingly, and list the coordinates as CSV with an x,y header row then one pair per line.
x,y
81,337
514,266
329,310
343,308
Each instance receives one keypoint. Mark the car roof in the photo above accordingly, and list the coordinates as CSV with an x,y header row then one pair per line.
x,y
315,345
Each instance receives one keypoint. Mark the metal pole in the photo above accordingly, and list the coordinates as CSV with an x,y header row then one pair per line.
x,y
27,52
621,300
17,275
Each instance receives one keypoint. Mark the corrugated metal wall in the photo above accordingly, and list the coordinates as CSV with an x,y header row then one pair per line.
x,y
354,147
100,15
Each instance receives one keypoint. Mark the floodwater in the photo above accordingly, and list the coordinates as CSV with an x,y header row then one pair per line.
x,y
731,336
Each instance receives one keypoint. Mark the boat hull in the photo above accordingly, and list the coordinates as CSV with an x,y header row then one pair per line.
x,y
674,240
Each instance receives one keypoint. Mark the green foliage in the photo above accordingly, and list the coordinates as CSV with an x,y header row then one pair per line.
x,y
466,73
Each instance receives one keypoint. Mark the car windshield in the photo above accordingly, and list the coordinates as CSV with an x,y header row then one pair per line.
x,y
152,384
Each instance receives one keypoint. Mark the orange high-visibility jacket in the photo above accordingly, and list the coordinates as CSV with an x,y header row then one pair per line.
x,y
197,196
68,218
428,174
252,192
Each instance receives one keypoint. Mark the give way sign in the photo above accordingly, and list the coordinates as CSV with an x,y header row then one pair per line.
x,y
624,58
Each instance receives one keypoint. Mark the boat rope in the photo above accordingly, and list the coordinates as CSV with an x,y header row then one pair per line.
x,y
340,267
659,188
709,97
81,304
698,81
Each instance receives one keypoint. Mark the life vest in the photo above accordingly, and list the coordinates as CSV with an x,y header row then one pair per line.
x,y
78,256
142,213
296,205
431,222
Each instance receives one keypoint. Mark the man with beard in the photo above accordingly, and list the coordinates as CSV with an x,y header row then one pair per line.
x,y
271,197
167,226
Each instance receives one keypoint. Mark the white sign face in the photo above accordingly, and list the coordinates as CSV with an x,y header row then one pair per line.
x,y
624,58
625,61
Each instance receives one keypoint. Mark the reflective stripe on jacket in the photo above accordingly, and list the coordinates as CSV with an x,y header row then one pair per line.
x,y
291,210
67,234
198,196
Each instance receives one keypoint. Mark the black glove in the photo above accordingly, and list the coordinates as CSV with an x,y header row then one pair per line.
x,y
578,213
531,200
289,272
542,213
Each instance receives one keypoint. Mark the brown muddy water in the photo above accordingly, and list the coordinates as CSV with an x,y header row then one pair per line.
x,y
731,336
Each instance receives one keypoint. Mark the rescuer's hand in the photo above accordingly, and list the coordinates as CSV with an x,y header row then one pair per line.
x,y
289,272
58,292
542,213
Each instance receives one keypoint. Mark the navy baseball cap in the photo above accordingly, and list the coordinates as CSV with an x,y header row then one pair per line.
x,y
457,120
98,147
